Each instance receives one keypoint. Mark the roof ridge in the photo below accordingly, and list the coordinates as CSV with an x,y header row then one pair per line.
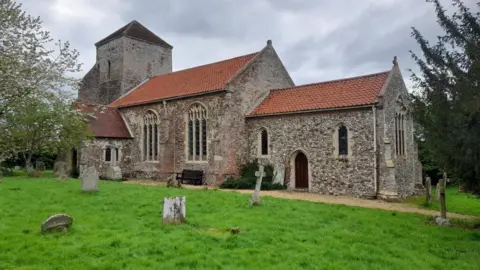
x,y
335,80
129,25
204,65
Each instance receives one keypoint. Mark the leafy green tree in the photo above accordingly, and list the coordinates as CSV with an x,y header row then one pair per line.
x,y
447,102
36,87
43,125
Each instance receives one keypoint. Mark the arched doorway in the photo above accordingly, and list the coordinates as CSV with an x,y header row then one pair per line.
x,y
301,171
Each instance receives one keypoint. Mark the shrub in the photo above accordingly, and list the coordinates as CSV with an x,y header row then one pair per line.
x,y
6,171
35,174
249,183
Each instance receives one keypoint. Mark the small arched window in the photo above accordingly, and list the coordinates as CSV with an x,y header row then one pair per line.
x,y
342,141
111,153
400,134
109,69
264,142
108,154
150,136
197,133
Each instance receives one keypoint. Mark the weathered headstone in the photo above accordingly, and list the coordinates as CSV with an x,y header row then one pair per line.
x,y
40,166
279,174
174,210
58,222
255,200
90,179
17,168
428,184
173,182
60,169
114,173
442,219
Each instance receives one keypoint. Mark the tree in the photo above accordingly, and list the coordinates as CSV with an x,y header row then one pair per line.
x,y
30,62
447,102
40,125
36,87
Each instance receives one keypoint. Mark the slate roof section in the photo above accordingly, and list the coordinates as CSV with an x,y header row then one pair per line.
x,y
136,30
193,81
343,93
104,121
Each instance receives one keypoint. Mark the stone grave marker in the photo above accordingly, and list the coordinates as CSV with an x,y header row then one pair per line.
x,y
58,223
174,210
114,173
279,174
428,184
442,220
40,166
255,200
90,179
60,169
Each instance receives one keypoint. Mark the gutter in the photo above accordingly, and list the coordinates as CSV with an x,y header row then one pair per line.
x,y
311,111
375,154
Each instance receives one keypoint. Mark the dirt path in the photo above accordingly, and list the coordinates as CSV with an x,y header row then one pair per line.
x,y
313,197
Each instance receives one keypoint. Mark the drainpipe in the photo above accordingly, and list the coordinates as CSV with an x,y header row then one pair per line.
x,y
374,109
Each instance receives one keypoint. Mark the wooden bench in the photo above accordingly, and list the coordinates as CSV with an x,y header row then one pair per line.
x,y
191,176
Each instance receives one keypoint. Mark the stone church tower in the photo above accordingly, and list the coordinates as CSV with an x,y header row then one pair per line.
x,y
125,58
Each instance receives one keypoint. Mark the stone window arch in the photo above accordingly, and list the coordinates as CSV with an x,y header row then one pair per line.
x,y
197,127
400,126
263,142
111,154
151,123
109,69
342,142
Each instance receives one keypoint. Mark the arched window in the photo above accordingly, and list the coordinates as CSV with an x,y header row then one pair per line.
x,y
109,70
108,154
150,136
111,153
264,142
197,132
342,141
400,134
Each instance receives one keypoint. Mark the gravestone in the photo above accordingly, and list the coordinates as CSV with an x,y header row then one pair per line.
x,y
174,211
114,173
442,220
90,179
173,182
58,222
255,200
279,174
428,184
60,169
40,166
17,168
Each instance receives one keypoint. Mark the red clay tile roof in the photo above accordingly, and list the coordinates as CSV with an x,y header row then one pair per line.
x,y
347,92
197,80
105,122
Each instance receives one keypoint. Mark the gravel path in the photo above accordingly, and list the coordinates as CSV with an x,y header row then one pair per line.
x,y
314,197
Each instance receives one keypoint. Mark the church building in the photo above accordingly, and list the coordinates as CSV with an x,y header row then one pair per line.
x,y
352,136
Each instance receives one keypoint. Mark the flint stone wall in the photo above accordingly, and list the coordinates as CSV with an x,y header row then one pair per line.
x,y
313,134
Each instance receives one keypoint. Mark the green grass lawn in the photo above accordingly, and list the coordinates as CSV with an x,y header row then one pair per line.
x,y
456,202
120,228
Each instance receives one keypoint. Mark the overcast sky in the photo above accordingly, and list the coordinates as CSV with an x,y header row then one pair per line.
x,y
316,40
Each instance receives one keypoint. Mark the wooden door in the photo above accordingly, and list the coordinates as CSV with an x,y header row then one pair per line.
x,y
301,171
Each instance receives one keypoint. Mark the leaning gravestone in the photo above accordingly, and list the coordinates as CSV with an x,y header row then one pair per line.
x,y
40,166
58,223
90,179
428,184
174,210
114,173
255,200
